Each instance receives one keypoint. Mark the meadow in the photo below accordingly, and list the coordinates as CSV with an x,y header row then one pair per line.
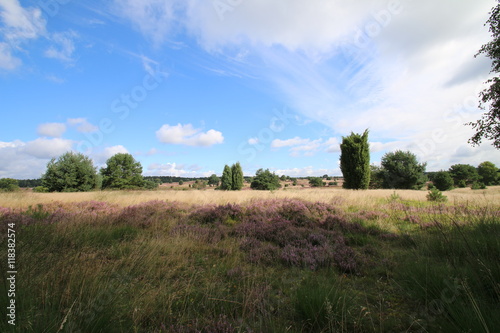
x,y
292,260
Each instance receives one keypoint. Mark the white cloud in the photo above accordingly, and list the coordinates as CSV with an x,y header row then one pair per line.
x,y
277,143
102,156
253,141
187,135
176,170
7,60
20,23
47,148
54,130
153,18
307,171
307,147
83,125
64,46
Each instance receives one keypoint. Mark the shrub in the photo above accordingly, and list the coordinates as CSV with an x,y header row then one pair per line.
x,y
443,181
436,196
265,180
316,182
478,186
40,189
8,185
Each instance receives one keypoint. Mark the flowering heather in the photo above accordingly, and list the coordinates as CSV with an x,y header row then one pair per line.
x,y
217,214
145,214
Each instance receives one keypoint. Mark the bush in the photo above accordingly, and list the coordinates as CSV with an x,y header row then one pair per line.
x,y
8,185
40,189
265,180
443,181
478,186
435,195
316,182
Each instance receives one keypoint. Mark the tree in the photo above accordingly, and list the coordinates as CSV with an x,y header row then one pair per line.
x,y
376,177
488,127
71,172
316,182
8,185
265,180
488,173
237,176
226,181
463,174
213,180
401,170
355,161
122,171
442,180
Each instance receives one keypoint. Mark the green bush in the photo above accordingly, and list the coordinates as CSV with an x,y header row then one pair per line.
x,y
443,181
435,195
478,186
40,189
8,185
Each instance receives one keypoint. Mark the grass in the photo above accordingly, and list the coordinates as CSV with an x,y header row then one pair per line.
x,y
289,261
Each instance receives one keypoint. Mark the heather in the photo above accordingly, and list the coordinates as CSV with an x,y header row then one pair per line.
x,y
274,265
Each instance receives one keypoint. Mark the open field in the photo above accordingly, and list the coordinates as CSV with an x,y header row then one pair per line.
x,y
23,199
310,260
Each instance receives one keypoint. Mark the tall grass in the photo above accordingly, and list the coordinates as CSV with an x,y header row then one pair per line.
x,y
279,264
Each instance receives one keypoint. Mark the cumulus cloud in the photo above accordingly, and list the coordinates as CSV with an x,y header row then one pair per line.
x,y
20,23
47,148
100,157
307,171
306,147
187,135
83,125
54,130
176,170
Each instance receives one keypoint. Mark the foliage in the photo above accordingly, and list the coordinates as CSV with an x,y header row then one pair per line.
x,y
199,184
488,173
237,176
488,127
376,177
355,161
122,171
443,181
463,174
478,186
265,180
181,182
40,189
213,180
71,172
29,182
401,170
436,196
226,181
8,185
316,182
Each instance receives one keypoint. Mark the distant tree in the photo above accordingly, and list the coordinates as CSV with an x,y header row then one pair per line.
x,y
443,181
283,178
122,171
316,182
463,174
71,172
265,180
488,127
376,177
8,185
488,173
237,176
226,181
213,180
181,182
355,161
199,184
401,170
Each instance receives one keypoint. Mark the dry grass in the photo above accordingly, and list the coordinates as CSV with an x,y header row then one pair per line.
x,y
364,199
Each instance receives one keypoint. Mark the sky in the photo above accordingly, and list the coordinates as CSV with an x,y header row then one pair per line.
x,y
187,86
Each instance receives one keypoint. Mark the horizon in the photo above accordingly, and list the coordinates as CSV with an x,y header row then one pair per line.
x,y
187,87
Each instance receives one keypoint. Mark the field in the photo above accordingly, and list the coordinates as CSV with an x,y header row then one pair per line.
x,y
292,260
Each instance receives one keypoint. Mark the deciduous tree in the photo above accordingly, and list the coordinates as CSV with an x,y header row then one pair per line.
x,y
122,171
71,172
401,170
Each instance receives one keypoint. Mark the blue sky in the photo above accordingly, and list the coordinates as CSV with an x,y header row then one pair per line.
x,y
187,86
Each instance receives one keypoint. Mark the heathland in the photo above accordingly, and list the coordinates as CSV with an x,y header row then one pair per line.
x,y
291,260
